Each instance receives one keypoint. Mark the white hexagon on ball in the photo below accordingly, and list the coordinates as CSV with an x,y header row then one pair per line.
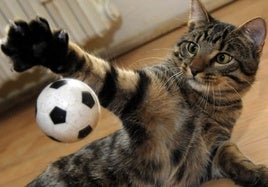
x,y
67,110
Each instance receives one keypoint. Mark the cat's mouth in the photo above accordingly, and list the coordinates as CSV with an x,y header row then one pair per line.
x,y
201,81
202,85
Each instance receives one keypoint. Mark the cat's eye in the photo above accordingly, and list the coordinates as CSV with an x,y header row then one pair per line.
x,y
223,58
192,48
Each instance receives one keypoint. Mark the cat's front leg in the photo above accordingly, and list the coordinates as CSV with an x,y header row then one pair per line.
x,y
33,43
135,96
233,164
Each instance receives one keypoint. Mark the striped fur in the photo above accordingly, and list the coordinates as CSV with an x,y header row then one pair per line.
x,y
177,116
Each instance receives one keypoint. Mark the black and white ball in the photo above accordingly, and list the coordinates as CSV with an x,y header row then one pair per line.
x,y
67,110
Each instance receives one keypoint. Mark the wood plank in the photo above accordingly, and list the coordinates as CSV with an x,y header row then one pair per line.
x,y
25,151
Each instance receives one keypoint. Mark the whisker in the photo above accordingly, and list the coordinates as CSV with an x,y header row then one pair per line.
x,y
173,77
147,60
161,49
249,83
237,93
150,58
202,101
214,100
220,93
207,94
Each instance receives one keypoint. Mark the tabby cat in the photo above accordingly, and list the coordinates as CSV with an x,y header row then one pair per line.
x,y
177,116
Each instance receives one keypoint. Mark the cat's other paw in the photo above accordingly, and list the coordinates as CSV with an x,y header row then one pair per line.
x,y
33,43
263,172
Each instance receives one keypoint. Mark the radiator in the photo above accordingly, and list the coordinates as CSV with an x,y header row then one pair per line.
x,y
84,20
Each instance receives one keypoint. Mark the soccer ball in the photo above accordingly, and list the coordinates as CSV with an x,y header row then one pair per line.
x,y
67,110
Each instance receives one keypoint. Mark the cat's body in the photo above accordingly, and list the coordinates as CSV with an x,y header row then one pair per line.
x,y
177,116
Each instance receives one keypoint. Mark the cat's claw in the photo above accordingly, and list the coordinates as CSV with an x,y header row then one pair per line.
x,y
63,36
33,43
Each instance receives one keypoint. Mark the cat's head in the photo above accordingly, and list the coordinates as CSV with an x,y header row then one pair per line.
x,y
219,55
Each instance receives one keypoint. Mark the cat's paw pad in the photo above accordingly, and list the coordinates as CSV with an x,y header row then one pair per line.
x,y
17,45
40,30
24,40
61,39
33,43
17,35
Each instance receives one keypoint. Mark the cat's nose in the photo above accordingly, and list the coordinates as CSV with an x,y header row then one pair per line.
x,y
195,70
198,65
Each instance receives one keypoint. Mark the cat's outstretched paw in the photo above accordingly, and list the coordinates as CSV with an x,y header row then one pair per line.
x,y
33,43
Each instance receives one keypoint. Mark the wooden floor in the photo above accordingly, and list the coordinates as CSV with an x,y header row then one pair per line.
x,y
25,151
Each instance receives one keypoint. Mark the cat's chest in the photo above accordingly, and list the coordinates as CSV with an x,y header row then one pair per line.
x,y
190,170
194,143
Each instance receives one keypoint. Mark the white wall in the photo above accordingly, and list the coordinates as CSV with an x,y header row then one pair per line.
x,y
143,20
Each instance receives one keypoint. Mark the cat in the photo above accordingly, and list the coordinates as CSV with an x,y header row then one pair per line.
x,y
177,116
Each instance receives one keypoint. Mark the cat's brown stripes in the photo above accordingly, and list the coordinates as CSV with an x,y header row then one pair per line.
x,y
177,116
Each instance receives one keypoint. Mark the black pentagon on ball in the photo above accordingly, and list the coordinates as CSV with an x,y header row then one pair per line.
x,y
58,115
87,99
58,84
84,132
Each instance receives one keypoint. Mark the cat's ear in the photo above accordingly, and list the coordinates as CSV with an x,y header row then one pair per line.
x,y
255,30
198,15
